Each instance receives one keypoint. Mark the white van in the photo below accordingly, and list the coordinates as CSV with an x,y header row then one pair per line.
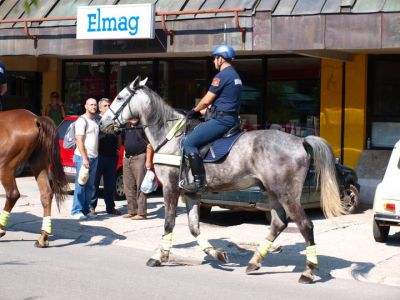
x,y
387,198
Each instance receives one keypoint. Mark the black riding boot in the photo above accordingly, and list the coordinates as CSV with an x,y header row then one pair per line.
x,y
197,167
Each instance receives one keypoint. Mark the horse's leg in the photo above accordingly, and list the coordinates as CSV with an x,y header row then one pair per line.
x,y
12,195
192,208
46,195
279,222
297,214
171,196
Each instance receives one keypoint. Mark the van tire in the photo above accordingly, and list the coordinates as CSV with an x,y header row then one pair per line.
x,y
380,232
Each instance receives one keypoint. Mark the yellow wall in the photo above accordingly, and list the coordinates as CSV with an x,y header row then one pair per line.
x,y
355,106
50,67
331,103
355,112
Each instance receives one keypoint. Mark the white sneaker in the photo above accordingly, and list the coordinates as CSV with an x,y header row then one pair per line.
x,y
91,216
78,216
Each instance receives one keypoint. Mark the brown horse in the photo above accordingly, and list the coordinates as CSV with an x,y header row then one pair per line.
x,y
27,137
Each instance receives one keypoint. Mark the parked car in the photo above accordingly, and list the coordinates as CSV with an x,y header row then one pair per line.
x,y
255,199
387,199
69,166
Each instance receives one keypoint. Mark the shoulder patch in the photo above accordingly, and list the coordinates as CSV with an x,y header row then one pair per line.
x,y
238,82
216,81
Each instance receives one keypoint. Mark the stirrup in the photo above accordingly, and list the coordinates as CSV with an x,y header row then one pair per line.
x,y
191,187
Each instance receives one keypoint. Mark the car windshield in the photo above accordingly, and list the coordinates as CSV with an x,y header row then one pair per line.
x,y
62,128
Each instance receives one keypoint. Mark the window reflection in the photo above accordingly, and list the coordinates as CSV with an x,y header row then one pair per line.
x,y
123,73
83,80
293,95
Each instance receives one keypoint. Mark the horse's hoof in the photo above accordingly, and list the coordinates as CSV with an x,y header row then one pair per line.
x,y
218,254
153,263
41,245
251,267
306,278
164,257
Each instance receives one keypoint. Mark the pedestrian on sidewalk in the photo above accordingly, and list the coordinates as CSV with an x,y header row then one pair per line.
x,y
137,158
107,162
85,159
55,109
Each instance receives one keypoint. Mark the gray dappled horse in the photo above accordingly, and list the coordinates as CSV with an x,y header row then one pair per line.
x,y
271,159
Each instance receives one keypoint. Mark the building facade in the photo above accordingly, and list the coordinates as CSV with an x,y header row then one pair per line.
x,y
323,67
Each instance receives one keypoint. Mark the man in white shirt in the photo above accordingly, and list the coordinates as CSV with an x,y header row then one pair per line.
x,y
85,156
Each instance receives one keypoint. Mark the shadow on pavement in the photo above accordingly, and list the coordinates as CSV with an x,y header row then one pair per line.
x,y
76,231
289,260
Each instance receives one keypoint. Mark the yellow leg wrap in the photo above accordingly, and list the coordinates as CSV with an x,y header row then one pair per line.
x,y
166,242
311,254
46,224
203,242
263,247
4,216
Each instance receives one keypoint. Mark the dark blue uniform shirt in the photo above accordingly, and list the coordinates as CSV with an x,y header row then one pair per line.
x,y
227,85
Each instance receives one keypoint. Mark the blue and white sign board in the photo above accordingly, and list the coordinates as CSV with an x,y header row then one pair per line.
x,y
132,21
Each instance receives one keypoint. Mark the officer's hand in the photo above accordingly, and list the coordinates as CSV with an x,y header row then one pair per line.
x,y
192,114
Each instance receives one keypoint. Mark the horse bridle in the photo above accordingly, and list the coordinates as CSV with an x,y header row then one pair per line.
x,y
132,93
116,114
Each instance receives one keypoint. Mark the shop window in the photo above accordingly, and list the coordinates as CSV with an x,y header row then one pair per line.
x,y
123,73
23,91
293,95
83,80
383,106
183,82
250,71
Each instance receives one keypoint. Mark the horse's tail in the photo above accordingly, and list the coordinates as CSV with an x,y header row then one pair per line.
x,y
324,163
48,143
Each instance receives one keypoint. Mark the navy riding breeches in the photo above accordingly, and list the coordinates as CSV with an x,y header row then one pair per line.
x,y
207,132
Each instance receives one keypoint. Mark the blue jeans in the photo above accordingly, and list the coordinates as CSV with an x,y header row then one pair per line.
x,y
83,193
105,168
207,132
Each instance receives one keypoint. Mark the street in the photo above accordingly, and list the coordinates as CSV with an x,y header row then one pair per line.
x,y
91,270
105,258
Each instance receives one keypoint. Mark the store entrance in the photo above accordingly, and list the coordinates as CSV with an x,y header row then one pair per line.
x,y
24,91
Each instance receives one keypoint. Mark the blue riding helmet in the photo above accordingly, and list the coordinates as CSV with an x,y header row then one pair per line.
x,y
225,51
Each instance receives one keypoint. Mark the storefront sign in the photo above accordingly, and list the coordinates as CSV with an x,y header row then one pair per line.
x,y
133,21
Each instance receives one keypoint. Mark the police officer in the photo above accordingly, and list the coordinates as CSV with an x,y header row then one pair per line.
x,y
224,96
3,84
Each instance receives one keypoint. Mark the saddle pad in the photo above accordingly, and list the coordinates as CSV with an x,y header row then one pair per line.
x,y
167,159
221,148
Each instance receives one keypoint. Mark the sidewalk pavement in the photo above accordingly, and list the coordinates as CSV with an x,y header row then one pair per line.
x,y
348,251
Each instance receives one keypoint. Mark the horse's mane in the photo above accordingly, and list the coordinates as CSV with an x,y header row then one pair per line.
x,y
161,112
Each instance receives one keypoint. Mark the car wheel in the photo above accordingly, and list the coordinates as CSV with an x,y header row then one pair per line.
x,y
380,232
204,211
119,187
350,198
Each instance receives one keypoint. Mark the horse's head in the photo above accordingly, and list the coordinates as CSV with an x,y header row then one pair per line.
x,y
123,107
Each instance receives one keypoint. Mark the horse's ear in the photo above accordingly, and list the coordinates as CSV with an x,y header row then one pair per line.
x,y
135,83
143,82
